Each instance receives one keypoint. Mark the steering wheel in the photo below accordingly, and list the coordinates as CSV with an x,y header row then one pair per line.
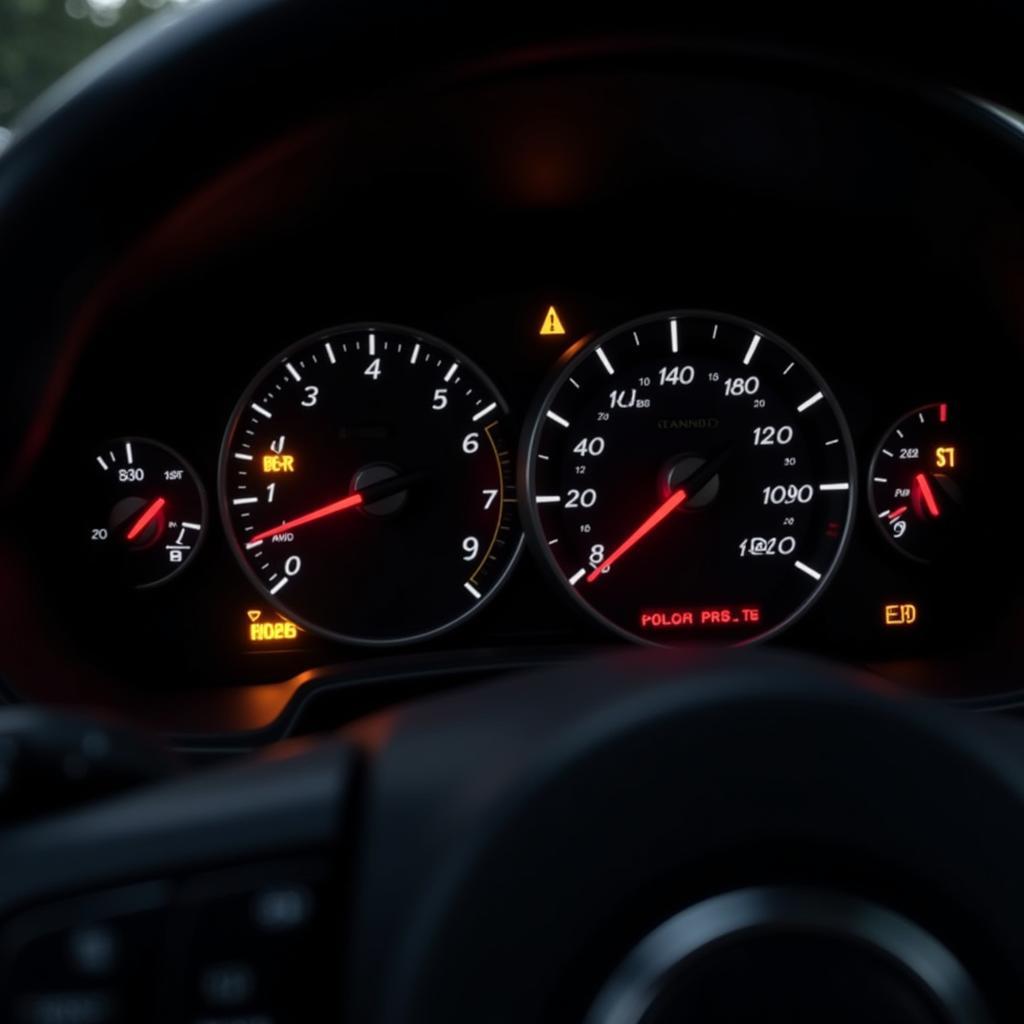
x,y
649,838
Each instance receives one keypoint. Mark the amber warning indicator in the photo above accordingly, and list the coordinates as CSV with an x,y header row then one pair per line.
x,y
552,323
268,630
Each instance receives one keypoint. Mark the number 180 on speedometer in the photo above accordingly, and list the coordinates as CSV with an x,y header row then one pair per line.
x,y
689,477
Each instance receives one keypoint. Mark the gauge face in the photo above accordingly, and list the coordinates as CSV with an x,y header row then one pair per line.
x,y
148,511
916,482
366,484
689,477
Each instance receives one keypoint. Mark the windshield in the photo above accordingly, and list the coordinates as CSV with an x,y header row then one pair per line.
x,y
40,40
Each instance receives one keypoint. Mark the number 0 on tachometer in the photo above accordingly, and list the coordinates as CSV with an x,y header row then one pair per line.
x,y
689,476
366,485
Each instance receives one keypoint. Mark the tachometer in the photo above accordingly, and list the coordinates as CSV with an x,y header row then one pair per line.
x,y
689,476
366,483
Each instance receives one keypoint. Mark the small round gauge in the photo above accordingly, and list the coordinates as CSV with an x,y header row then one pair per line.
x,y
690,477
365,481
147,511
916,479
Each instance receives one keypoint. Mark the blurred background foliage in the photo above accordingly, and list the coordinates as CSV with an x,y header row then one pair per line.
x,y
42,39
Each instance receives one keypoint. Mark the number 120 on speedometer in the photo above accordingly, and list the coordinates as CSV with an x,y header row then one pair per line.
x,y
689,477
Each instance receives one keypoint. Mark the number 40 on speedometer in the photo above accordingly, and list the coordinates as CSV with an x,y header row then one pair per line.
x,y
689,476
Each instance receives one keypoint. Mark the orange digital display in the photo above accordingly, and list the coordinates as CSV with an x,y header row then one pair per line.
x,y
699,618
278,463
262,631
945,457
900,614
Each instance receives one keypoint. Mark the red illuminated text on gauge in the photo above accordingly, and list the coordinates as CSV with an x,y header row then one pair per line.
x,y
684,617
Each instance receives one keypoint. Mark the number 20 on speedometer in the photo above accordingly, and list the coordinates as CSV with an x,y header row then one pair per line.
x,y
689,477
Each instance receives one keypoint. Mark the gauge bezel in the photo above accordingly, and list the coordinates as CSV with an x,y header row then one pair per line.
x,y
195,479
573,356
869,481
256,382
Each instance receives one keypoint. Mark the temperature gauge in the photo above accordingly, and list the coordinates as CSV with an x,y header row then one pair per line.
x,y
147,514
915,484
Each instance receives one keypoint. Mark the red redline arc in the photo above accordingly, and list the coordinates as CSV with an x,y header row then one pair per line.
x,y
351,501
660,513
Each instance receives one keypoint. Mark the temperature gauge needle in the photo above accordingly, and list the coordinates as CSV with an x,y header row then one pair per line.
x,y
640,532
926,492
146,518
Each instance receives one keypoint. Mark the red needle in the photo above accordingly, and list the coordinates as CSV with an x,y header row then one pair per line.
x,y
898,512
926,492
146,518
640,532
328,510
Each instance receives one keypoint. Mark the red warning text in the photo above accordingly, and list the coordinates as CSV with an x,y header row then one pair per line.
x,y
699,618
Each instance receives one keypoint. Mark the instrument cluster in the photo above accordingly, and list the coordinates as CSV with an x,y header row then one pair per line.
x,y
559,363
688,477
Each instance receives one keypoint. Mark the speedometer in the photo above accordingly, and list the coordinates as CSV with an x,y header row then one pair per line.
x,y
689,476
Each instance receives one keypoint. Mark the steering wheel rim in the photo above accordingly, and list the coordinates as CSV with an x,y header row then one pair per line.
x,y
516,785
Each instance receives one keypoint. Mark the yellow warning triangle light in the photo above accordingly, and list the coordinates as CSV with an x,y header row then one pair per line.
x,y
552,323
254,615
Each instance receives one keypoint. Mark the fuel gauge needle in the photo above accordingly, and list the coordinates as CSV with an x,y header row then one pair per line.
x,y
146,518
926,492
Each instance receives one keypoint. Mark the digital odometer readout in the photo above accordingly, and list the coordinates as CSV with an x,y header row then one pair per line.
x,y
689,476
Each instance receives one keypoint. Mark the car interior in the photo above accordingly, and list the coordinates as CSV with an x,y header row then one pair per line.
x,y
503,518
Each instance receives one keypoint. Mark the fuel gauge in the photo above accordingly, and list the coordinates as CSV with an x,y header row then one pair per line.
x,y
147,514
915,484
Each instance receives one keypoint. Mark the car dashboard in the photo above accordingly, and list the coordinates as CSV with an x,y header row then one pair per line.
x,y
556,354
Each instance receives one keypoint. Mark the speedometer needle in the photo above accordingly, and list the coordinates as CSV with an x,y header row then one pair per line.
x,y
695,482
666,507
146,518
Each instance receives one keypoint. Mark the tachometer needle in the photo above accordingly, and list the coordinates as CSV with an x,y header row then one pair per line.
x,y
146,518
367,496
926,492
328,510
664,509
